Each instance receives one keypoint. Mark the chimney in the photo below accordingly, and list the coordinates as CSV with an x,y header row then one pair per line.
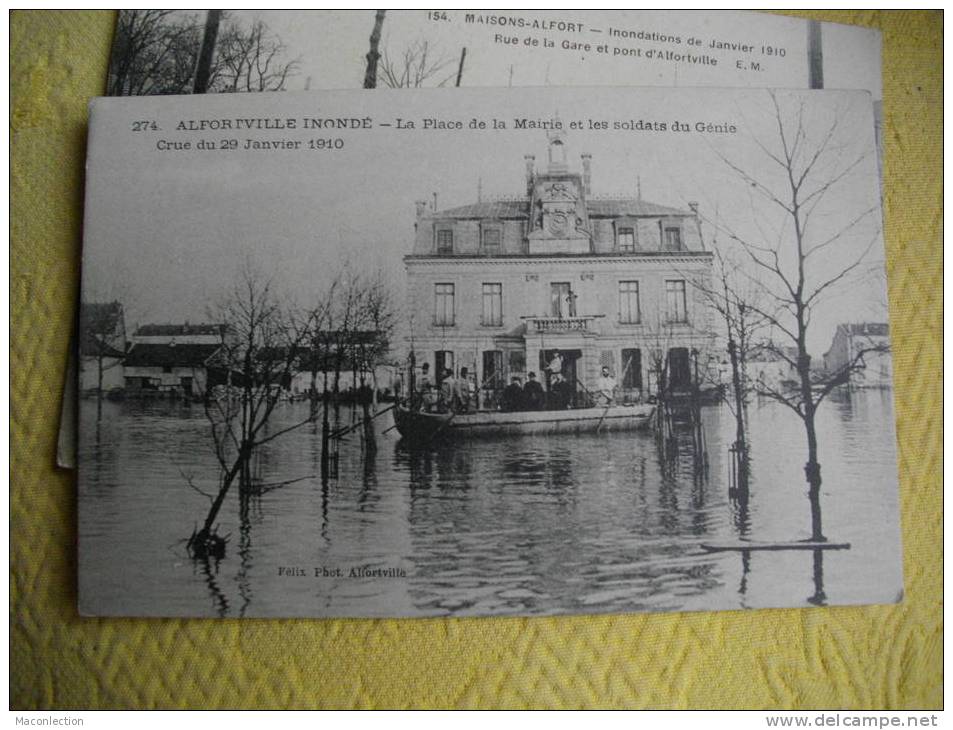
x,y
693,206
530,165
587,173
421,208
435,201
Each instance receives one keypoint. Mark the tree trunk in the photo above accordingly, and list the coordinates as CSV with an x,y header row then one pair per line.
x,y
741,442
812,469
373,55
203,68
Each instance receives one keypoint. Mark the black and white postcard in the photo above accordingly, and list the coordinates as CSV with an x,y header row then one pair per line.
x,y
161,52
503,352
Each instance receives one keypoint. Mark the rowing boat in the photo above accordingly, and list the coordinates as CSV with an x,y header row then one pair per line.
x,y
423,427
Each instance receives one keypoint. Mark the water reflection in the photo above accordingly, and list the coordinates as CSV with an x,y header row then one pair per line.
x,y
601,523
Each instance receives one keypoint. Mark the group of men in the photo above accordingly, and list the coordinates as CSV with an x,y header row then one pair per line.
x,y
459,394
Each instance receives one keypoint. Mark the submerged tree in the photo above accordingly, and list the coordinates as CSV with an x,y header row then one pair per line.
x,y
807,249
261,341
736,302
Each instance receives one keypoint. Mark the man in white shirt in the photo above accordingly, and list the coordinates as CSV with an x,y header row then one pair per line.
x,y
605,388
555,366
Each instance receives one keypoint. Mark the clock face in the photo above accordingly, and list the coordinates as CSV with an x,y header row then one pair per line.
x,y
558,222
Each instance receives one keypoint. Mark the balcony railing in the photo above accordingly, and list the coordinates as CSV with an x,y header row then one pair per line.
x,y
553,325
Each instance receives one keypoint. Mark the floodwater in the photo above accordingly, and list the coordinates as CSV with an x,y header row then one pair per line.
x,y
598,523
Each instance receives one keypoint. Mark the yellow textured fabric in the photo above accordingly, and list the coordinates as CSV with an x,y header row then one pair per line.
x,y
867,657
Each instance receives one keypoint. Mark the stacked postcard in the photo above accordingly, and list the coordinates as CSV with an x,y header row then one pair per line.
x,y
484,313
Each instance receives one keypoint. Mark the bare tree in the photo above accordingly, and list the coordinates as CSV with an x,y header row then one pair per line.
x,y
737,302
420,64
153,53
250,60
261,343
804,161
157,52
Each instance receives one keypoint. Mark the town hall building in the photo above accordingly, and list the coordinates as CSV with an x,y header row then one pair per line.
x,y
498,286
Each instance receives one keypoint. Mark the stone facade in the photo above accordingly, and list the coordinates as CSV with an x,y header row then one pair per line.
x,y
497,285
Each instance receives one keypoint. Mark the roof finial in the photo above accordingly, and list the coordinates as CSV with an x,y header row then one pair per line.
x,y
479,189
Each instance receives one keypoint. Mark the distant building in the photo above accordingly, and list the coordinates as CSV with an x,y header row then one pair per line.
x,y
102,346
497,286
182,334
870,341
343,361
173,359
772,367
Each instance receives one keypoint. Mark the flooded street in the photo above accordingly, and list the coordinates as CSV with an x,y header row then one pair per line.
x,y
525,525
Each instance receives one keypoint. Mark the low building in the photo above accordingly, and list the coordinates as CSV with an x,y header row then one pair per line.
x,y
102,347
862,352
169,370
499,286
175,360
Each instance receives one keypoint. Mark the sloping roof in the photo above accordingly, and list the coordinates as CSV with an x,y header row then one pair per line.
x,y
617,207
178,330
598,208
488,209
147,355
92,345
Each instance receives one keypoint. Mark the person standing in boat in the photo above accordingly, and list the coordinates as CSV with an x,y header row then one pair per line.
x,y
448,392
560,393
605,388
555,366
534,399
461,392
427,396
512,399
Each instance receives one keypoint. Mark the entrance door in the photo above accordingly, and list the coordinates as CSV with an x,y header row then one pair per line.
x,y
631,368
570,368
492,373
442,359
679,369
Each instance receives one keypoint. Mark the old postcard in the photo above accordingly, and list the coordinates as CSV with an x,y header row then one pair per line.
x,y
159,52
502,352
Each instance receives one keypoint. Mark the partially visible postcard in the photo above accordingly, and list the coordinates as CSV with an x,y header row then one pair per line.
x,y
504,352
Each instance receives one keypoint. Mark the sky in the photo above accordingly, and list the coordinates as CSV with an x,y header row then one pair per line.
x,y
166,231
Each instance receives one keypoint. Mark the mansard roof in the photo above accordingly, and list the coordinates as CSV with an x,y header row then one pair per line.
x,y
518,209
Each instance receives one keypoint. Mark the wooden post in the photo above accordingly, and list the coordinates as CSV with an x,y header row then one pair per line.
x,y
463,55
203,68
373,55
815,55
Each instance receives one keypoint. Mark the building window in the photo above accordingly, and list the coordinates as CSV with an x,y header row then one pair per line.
x,y
444,241
491,240
443,305
673,238
492,305
629,311
675,304
631,368
626,239
563,301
